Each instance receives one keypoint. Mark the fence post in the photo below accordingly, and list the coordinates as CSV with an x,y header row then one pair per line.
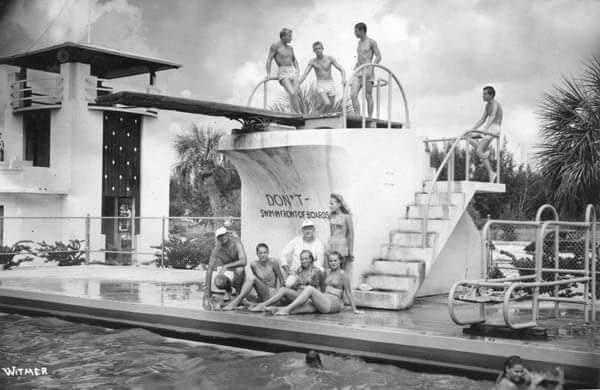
x,y
467,158
556,266
133,238
87,239
162,243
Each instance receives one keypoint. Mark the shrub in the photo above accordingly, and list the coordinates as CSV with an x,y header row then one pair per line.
x,y
7,254
185,253
64,254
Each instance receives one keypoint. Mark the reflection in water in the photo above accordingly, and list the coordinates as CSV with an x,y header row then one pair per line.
x,y
85,356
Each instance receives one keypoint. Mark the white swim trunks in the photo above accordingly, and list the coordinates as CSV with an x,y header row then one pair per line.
x,y
494,128
326,86
287,72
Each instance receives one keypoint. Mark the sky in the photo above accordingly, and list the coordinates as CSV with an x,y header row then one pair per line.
x,y
443,52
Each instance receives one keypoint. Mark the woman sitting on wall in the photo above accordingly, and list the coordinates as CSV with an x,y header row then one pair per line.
x,y
313,300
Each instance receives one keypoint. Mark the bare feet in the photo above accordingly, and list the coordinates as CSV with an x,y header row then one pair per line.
x,y
229,307
281,311
257,308
493,178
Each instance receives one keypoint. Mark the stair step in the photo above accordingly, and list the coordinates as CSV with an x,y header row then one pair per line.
x,y
395,267
411,238
435,212
416,224
392,282
437,198
392,300
442,186
395,252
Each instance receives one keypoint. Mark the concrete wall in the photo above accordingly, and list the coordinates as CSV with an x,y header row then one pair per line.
x,y
377,171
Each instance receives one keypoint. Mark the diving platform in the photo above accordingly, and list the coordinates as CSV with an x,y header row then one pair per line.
x,y
252,119
420,338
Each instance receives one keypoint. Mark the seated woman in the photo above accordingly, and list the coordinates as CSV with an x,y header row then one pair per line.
x,y
313,300
266,272
306,275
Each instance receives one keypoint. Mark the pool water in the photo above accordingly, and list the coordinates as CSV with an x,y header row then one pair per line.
x,y
92,357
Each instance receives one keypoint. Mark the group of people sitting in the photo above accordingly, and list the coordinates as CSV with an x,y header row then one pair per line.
x,y
311,278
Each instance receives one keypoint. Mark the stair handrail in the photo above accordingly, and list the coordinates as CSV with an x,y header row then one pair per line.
x,y
264,83
391,76
450,154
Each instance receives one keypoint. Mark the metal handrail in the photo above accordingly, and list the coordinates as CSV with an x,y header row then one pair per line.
x,y
264,83
450,174
391,76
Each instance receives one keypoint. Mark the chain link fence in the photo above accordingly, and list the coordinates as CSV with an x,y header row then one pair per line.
x,y
510,252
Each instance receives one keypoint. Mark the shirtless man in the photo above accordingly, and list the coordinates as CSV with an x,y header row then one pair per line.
x,y
266,276
367,49
492,118
325,87
288,70
227,258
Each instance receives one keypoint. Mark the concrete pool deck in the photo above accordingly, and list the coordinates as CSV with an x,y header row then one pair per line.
x,y
171,302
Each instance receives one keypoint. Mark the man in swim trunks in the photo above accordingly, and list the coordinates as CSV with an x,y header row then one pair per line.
x,y
266,276
367,49
325,86
288,70
492,118
227,258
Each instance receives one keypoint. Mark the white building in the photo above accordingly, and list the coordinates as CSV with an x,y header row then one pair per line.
x,y
66,156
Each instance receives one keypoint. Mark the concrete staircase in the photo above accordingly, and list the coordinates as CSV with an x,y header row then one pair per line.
x,y
397,273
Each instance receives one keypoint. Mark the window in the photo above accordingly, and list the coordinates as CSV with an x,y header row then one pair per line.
x,y
36,137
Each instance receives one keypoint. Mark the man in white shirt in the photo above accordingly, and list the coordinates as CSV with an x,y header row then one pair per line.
x,y
290,255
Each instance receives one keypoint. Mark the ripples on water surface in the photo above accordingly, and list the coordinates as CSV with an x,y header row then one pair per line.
x,y
91,357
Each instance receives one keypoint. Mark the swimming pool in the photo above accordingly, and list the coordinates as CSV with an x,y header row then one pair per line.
x,y
91,357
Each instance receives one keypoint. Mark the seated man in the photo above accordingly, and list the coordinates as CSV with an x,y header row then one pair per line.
x,y
306,275
266,275
228,259
290,255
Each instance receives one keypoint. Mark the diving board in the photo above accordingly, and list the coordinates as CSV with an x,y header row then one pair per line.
x,y
248,116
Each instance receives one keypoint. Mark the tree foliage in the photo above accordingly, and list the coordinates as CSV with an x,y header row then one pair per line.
x,y
569,156
203,182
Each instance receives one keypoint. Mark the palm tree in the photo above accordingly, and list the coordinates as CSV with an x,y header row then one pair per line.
x,y
201,166
569,157
309,102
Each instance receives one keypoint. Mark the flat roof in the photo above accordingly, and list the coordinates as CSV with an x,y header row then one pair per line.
x,y
105,63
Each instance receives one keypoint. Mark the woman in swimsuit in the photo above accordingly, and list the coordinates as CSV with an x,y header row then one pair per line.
x,y
341,238
313,300
306,275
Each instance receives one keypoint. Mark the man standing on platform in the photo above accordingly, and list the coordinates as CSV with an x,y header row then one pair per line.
x,y
290,255
228,259
367,49
288,70
325,86
492,118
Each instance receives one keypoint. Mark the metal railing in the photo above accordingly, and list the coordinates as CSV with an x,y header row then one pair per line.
x,y
95,86
88,232
24,95
448,163
391,76
561,232
378,85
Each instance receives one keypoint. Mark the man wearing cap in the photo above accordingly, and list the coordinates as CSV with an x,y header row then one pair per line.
x,y
228,258
290,255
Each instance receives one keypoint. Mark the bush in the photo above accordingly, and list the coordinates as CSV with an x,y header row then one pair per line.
x,y
64,254
7,254
182,253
